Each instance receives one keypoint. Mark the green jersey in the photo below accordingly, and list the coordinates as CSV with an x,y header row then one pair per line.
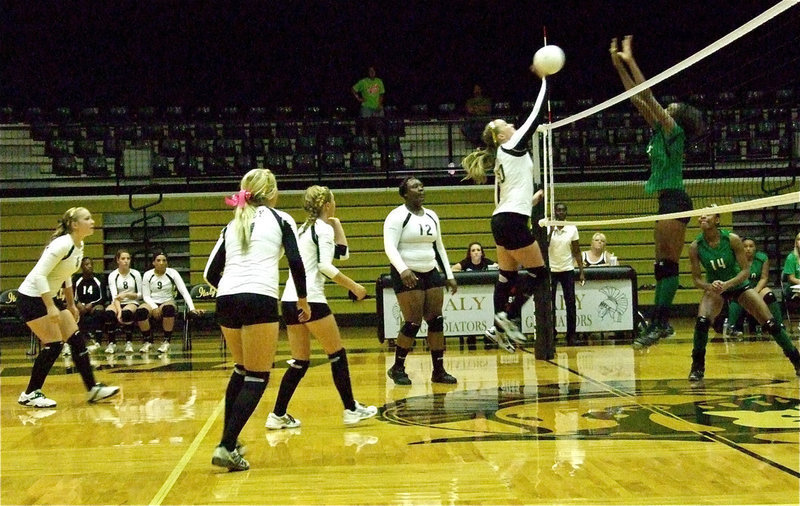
x,y
792,265
666,160
755,267
719,262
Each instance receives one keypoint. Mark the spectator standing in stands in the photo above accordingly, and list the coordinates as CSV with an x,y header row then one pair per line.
x,y
243,267
321,239
369,91
759,276
671,127
477,107
597,255
507,156
159,285
90,295
564,252
52,322
125,287
475,260
722,255
412,239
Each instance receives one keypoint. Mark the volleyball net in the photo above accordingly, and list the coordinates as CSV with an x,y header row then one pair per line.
x,y
746,85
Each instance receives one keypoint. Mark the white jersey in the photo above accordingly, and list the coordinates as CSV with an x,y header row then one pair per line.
x,y
415,242
513,169
233,270
160,288
318,249
60,259
129,283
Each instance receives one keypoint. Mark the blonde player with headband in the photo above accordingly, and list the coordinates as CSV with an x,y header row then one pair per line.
x,y
243,267
671,127
320,239
506,155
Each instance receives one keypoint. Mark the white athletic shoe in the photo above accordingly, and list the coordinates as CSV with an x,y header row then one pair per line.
x,y
100,392
510,328
67,350
358,414
128,347
231,460
93,347
499,338
111,348
286,421
36,399
145,348
164,348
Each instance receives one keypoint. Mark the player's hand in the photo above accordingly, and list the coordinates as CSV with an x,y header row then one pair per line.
x,y
53,313
536,71
360,292
303,310
452,286
409,278
627,49
73,309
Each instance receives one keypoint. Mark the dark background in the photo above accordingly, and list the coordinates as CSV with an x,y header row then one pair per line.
x,y
123,52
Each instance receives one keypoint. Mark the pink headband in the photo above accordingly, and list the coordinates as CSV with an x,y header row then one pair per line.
x,y
238,199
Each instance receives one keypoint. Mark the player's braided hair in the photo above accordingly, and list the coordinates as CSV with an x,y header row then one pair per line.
x,y
64,226
481,161
263,188
313,201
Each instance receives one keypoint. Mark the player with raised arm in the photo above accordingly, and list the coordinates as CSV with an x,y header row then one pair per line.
x,y
507,156
671,127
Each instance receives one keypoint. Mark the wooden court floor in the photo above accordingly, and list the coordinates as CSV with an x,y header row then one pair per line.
x,y
599,424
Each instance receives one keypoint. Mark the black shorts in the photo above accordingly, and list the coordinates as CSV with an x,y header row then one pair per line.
x,y
511,231
674,201
32,308
735,293
319,310
235,311
425,280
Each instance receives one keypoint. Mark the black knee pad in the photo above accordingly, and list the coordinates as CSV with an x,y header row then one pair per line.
x,y
338,356
410,329
299,366
665,269
527,284
436,324
109,317
127,316
53,348
769,297
257,374
239,369
771,326
507,276
702,324
77,343
142,314
168,311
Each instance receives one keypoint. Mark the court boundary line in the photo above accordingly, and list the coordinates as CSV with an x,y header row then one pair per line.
x,y
187,456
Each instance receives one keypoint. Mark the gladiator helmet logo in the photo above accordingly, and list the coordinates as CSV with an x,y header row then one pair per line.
x,y
613,305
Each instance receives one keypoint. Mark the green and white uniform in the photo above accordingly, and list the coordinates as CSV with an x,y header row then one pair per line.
x,y
720,261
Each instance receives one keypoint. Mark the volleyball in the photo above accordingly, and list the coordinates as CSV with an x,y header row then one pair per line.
x,y
549,60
